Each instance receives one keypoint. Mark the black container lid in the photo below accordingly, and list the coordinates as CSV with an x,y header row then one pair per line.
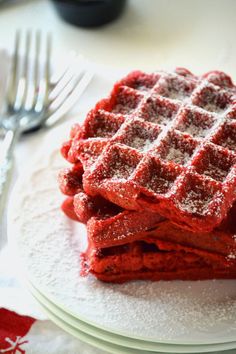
x,y
89,13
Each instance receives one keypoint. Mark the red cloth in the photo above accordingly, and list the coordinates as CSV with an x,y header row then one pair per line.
x,y
13,328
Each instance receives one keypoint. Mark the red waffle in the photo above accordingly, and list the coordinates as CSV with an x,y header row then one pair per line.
x,y
125,245
118,227
164,142
109,225
119,252
165,252
155,260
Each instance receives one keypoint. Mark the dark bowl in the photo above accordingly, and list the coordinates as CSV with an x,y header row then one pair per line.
x,y
89,13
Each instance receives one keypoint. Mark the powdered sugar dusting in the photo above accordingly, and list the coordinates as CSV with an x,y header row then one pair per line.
x,y
50,244
215,172
142,144
195,202
121,171
174,119
158,184
126,103
231,256
175,87
195,130
229,143
177,156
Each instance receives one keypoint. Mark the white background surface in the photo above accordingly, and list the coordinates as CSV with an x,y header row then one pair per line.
x,y
151,33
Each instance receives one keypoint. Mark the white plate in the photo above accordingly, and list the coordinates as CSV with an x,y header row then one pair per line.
x,y
124,341
177,312
97,343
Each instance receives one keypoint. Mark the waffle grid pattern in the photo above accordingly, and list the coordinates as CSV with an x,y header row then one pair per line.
x,y
164,142
109,225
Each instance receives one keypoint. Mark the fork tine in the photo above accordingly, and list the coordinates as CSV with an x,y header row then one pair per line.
x,y
60,76
70,100
62,82
68,82
12,88
66,91
48,64
42,94
25,78
47,73
36,66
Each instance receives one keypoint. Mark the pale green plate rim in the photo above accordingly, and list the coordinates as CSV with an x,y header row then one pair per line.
x,y
118,340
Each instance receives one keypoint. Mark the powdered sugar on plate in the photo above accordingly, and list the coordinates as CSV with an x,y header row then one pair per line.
x,y
198,312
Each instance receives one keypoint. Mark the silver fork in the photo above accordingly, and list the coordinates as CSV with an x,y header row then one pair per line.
x,y
28,103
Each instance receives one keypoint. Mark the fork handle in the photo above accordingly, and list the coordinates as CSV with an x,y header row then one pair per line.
x,y
6,163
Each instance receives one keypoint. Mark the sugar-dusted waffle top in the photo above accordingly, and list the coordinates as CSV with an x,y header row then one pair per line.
x,y
164,142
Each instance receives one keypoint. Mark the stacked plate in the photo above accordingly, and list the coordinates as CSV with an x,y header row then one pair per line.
x,y
136,317
113,342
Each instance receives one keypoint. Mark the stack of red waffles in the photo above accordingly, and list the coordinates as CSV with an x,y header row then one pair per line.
x,y
153,176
